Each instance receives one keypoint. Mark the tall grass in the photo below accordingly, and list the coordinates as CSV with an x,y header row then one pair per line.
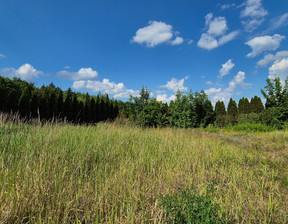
x,y
108,173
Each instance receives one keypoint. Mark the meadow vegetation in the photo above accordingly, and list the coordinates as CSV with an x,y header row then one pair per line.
x,y
118,173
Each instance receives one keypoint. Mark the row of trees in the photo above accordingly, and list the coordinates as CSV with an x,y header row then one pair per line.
x,y
49,102
186,111
195,109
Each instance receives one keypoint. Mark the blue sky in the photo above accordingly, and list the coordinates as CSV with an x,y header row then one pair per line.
x,y
227,48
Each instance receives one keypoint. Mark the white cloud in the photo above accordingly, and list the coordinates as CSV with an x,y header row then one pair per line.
x,y
226,38
118,90
26,72
156,33
82,74
215,34
264,43
217,26
269,58
253,14
228,6
164,99
2,56
227,93
177,41
207,42
190,42
175,85
280,69
212,91
226,68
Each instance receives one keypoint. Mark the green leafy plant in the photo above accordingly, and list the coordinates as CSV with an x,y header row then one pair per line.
x,y
188,206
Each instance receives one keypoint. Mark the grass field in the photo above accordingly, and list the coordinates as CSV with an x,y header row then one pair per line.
x,y
110,173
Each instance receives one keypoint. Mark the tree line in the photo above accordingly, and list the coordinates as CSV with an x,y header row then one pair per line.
x,y
190,110
50,102
194,110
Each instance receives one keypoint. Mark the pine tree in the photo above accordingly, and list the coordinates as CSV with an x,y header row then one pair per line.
x,y
3,95
87,108
24,103
75,109
60,104
52,102
232,111
44,104
68,105
12,103
34,103
220,113
92,110
241,106
256,105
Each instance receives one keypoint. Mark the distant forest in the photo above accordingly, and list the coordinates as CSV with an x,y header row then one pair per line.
x,y
190,110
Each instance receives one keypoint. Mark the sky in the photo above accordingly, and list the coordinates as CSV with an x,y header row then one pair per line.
x,y
226,48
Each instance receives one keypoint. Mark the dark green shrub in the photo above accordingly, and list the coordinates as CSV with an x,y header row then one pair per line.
x,y
187,206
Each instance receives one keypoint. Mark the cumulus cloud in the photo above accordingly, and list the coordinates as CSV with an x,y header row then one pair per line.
x,y
26,72
269,58
215,33
280,69
82,74
164,98
175,85
226,68
118,90
2,56
264,43
227,93
156,33
253,14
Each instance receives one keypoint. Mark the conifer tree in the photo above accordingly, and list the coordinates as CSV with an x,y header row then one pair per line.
x,y
34,103
60,104
52,102
87,108
256,105
3,95
232,111
12,103
220,108
44,104
75,109
68,105
24,102
92,110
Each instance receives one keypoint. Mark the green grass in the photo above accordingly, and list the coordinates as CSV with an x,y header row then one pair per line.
x,y
110,173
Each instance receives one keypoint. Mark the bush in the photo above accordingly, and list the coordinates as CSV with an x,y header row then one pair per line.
x,y
247,127
187,206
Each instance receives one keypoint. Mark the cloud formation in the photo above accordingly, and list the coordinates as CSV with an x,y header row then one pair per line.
x,y
264,43
157,33
175,85
226,68
2,56
227,93
164,98
280,69
215,33
269,58
86,79
83,73
253,14
25,72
